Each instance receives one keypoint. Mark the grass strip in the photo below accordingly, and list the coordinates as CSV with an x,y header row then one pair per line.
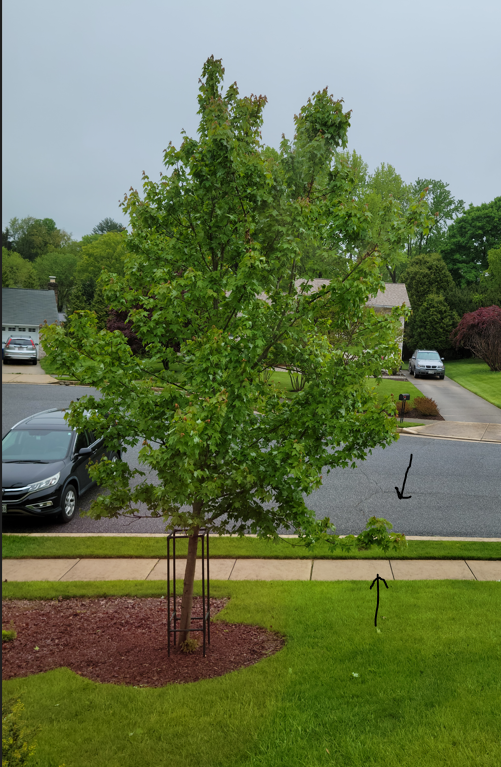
x,y
95,546
423,691
475,375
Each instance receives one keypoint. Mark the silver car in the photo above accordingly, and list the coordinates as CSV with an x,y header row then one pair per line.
x,y
19,348
426,362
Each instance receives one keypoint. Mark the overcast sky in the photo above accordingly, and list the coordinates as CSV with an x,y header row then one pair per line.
x,y
93,91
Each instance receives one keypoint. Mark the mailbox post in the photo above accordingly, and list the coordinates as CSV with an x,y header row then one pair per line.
x,y
403,399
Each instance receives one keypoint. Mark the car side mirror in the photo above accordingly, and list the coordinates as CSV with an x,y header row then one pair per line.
x,y
442,359
85,451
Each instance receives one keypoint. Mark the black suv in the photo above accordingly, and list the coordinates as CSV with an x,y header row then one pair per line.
x,y
45,466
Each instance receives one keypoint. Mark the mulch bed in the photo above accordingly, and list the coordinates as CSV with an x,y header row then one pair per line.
x,y
123,640
415,415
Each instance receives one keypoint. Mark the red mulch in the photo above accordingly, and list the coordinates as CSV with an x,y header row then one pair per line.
x,y
123,640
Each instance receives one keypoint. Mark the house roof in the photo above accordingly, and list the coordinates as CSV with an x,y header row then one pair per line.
x,y
28,307
394,294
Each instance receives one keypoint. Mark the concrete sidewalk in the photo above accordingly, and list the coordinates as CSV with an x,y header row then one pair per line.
x,y
63,570
476,432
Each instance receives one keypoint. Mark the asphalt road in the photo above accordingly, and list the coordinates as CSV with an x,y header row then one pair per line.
x,y
455,486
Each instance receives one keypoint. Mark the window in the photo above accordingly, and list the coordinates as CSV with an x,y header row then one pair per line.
x,y
12,329
81,441
22,330
32,330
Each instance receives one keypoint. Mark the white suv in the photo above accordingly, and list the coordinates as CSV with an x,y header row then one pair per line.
x,y
20,348
426,362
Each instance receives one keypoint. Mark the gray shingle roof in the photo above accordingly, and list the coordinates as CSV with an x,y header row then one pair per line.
x,y
394,294
28,307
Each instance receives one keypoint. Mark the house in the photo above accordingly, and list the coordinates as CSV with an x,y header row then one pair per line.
x,y
23,311
394,294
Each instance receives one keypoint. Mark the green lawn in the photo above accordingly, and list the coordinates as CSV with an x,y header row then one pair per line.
x,y
23,546
425,691
388,386
475,376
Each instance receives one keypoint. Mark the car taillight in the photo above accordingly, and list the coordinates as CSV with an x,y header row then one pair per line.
x,y
8,342
32,342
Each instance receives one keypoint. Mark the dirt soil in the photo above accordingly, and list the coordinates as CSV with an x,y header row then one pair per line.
x,y
123,640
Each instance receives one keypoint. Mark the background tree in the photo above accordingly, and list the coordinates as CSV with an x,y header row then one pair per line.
x,y
430,285
480,332
469,239
215,235
385,191
443,207
16,271
432,324
98,253
106,252
62,265
6,239
32,237
490,282
108,225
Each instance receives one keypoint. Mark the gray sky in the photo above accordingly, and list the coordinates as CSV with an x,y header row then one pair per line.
x,y
94,91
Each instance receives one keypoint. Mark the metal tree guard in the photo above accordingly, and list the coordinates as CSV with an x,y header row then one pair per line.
x,y
172,616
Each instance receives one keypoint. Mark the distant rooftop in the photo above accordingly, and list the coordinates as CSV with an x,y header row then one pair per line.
x,y
394,294
28,307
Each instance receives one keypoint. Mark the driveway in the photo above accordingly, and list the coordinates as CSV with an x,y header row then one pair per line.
x,y
456,403
23,368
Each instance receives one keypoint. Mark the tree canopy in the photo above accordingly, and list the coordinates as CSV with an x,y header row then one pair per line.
x,y
213,260
17,272
108,225
469,239
33,237
429,285
444,209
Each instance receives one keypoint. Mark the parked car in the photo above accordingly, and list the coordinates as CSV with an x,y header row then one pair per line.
x,y
426,362
19,348
45,466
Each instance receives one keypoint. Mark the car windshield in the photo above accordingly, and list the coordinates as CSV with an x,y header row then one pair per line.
x,y
428,356
35,445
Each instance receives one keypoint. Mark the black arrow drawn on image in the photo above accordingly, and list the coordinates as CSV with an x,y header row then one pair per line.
x,y
401,493
376,580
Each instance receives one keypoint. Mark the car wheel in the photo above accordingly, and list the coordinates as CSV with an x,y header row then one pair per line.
x,y
5,361
442,377
34,362
69,504
411,372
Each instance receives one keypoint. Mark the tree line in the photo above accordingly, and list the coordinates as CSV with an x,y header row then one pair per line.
x,y
451,266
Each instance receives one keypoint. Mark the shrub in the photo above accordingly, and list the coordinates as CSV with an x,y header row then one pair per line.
x,y
297,379
16,749
426,406
480,332
8,636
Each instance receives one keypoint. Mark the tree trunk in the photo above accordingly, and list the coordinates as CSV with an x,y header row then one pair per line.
x,y
189,578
